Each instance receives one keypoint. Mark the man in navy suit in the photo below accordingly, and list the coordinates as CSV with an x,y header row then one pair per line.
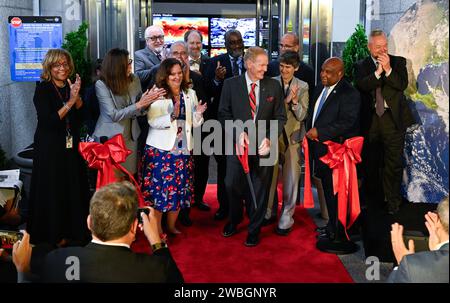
x,y
220,68
333,115
251,98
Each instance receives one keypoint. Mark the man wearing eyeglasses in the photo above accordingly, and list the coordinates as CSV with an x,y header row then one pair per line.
x,y
289,42
150,56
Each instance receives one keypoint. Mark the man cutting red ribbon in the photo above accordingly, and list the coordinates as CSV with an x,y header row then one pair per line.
x,y
333,118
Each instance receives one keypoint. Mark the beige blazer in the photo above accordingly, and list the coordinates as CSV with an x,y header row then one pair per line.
x,y
292,128
163,132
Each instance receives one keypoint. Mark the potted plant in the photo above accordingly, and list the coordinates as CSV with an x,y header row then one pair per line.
x,y
355,49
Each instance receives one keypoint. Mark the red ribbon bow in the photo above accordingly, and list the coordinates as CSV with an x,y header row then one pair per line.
x,y
106,158
342,159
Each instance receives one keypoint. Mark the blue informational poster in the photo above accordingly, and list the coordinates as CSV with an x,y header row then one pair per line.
x,y
30,38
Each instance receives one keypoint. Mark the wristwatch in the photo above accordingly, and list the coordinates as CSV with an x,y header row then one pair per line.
x,y
157,246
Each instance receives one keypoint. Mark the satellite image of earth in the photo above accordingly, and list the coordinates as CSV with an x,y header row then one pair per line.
x,y
421,35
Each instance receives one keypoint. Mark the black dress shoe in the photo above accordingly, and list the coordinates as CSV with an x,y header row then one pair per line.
x,y
283,232
252,240
267,222
202,206
220,215
325,235
229,230
321,229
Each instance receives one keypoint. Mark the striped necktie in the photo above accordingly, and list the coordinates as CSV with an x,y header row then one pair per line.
x,y
252,98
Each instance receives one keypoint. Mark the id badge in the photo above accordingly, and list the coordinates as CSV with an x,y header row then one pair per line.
x,y
69,141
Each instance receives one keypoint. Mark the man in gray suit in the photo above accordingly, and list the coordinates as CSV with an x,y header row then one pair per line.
x,y
427,266
150,56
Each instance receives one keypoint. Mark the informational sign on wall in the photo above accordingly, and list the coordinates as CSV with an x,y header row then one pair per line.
x,y
30,37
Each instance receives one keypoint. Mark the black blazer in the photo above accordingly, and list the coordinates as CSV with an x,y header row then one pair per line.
x,y
112,264
392,88
304,73
204,61
234,104
339,118
216,90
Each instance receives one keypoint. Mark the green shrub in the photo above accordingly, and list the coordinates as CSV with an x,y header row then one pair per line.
x,y
355,50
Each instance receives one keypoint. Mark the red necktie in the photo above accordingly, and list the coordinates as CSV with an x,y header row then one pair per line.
x,y
252,98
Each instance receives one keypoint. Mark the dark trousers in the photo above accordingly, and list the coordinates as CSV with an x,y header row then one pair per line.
x,y
237,189
201,174
221,188
385,151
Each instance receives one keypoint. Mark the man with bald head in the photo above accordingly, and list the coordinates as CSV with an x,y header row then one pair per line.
x,y
149,56
333,115
291,42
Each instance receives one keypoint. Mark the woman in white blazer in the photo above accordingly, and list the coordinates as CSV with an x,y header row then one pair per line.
x,y
167,183
121,100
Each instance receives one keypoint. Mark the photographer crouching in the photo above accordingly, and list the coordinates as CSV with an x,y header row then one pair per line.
x,y
107,258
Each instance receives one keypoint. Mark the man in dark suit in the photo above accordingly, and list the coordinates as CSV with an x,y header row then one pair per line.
x,y
151,55
197,60
382,79
332,115
426,266
220,68
108,258
291,42
250,98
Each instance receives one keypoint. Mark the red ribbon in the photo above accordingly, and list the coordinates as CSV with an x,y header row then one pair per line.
x,y
242,154
342,160
308,201
106,158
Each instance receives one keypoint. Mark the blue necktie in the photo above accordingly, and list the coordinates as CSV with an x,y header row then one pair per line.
x,y
321,102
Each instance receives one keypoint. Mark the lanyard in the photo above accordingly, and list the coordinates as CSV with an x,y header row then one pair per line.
x,y
64,101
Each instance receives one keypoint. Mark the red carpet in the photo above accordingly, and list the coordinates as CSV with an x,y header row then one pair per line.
x,y
205,256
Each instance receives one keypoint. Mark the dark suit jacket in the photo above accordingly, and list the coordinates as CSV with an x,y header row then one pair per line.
x,y
216,90
112,264
337,121
234,104
144,60
423,267
304,73
392,88
204,62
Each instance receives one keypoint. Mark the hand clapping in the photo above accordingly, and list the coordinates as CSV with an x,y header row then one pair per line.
x,y
201,107
292,97
75,87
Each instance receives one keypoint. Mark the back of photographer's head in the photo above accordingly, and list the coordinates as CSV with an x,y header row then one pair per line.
x,y
442,211
113,210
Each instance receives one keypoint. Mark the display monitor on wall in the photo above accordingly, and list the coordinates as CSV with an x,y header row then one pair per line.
x,y
219,26
175,26
217,51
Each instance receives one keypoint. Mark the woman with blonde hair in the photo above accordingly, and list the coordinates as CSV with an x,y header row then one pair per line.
x,y
59,195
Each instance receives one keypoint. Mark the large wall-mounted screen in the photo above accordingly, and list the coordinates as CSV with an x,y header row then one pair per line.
x,y
175,26
219,26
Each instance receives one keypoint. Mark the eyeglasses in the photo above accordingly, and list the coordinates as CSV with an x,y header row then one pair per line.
x,y
130,61
154,38
286,45
60,65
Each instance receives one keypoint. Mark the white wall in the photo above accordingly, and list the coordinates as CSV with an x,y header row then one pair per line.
x,y
345,18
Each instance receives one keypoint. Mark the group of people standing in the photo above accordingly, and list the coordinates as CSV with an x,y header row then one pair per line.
x,y
175,90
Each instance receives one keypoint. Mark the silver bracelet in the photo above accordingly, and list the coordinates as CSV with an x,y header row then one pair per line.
x,y
66,106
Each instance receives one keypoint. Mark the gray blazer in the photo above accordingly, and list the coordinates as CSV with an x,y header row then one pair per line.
x,y
292,128
144,60
116,110
423,267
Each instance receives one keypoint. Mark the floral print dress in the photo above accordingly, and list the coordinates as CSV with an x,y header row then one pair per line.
x,y
168,176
